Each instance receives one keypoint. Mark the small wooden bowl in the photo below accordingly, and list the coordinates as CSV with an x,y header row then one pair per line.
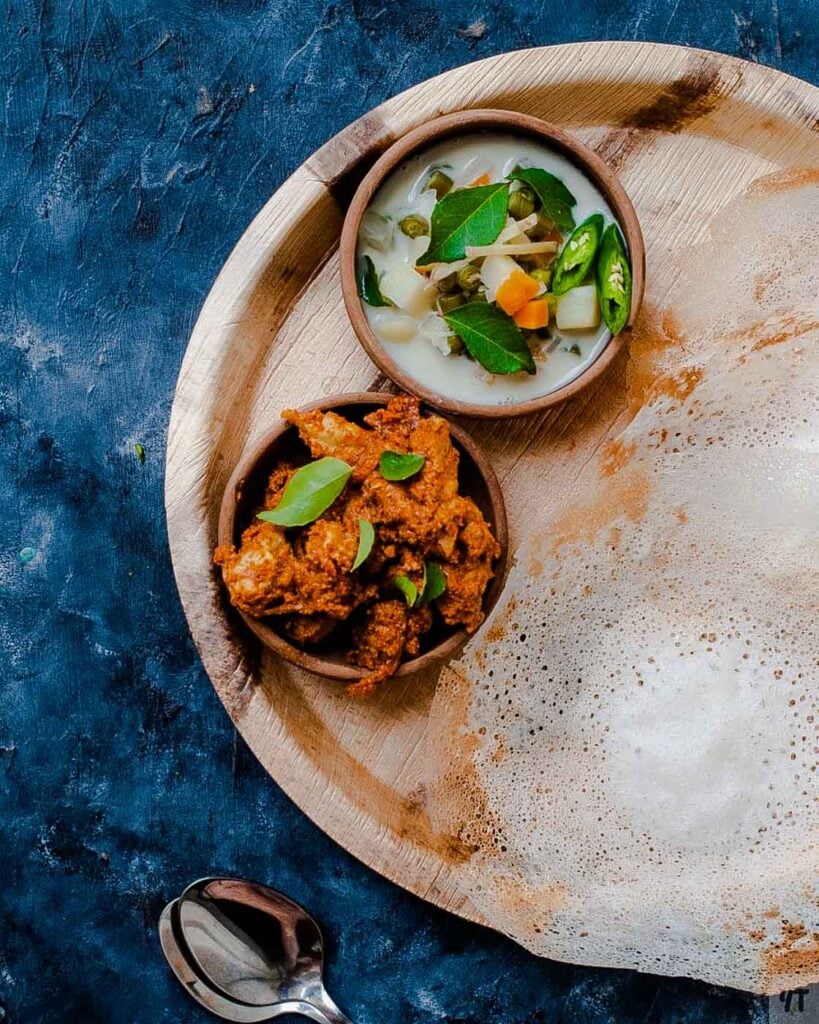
x,y
242,496
467,122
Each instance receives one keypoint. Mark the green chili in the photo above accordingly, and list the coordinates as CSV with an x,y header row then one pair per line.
x,y
577,255
614,280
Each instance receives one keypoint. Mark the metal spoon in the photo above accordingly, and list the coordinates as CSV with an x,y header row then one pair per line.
x,y
193,984
247,952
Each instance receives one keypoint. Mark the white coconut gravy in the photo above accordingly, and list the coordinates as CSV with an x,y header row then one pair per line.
x,y
413,332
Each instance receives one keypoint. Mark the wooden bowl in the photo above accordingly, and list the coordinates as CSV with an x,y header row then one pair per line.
x,y
467,122
242,496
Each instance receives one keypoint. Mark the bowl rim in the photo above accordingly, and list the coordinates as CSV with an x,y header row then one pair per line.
x,y
465,122
270,637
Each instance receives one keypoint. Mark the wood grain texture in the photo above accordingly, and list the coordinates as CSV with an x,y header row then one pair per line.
x,y
687,131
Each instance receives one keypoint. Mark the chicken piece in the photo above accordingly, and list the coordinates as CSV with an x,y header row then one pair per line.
x,y
261,574
476,537
399,516
308,630
419,622
468,571
323,582
452,516
395,422
276,483
438,480
327,433
462,602
379,643
266,576
330,545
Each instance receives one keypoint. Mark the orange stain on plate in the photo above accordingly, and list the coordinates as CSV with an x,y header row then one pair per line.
x,y
495,633
785,181
677,385
615,456
765,334
654,334
794,959
625,497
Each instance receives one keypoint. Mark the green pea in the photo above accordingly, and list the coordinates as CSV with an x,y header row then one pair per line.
x,y
469,278
441,183
446,303
521,203
414,225
577,255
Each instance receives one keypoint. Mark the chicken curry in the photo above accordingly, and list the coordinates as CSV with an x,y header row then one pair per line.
x,y
397,549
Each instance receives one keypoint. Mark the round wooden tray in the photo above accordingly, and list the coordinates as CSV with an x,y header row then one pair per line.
x,y
687,131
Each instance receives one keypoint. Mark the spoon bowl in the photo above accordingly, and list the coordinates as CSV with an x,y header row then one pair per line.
x,y
198,989
247,952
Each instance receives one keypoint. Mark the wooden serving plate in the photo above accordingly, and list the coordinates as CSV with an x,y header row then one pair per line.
x,y
687,131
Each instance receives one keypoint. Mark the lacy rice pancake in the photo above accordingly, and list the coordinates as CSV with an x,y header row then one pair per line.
x,y
636,731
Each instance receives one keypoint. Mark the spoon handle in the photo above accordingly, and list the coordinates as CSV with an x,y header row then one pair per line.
x,y
328,1009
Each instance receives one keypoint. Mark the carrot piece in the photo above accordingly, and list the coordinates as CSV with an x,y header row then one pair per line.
x,y
516,291
484,179
533,315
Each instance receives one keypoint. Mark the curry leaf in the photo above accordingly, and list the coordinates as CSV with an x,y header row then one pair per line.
x,y
368,286
310,491
366,537
407,588
395,466
434,583
555,199
466,216
491,337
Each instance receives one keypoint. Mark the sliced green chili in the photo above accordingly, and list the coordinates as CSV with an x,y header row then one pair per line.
x,y
614,280
577,255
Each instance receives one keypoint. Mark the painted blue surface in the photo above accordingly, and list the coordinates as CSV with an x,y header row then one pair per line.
x,y
139,138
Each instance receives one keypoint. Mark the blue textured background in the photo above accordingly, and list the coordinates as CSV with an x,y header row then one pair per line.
x,y
139,139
